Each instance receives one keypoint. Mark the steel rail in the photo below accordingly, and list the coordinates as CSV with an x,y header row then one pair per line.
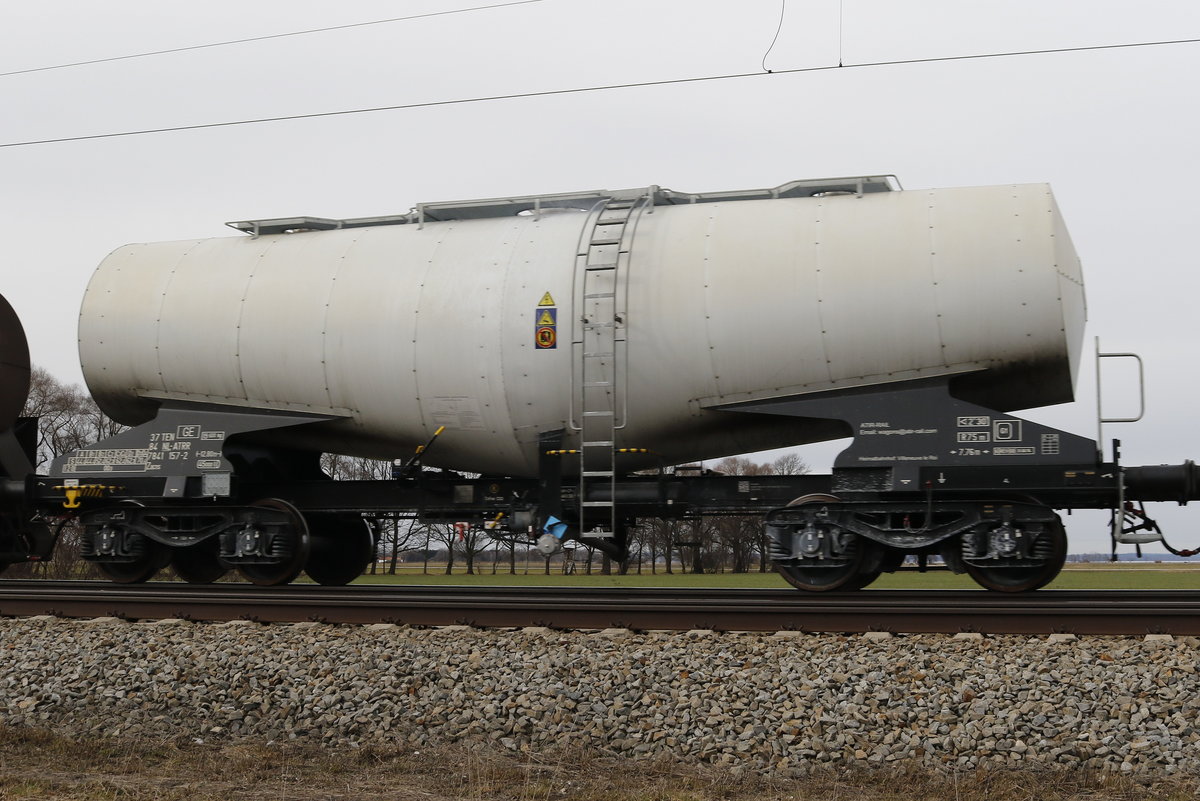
x,y
908,611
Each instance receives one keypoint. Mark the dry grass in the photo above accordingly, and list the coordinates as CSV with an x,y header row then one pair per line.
x,y
38,765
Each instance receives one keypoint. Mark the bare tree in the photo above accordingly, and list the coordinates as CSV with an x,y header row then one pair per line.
x,y
426,551
354,468
446,535
68,419
737,538
633,546
472,540
702,544
397,534
511,544
790,464
661,536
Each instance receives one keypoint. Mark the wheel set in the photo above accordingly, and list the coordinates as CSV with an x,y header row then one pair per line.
x,y
333,549
820,544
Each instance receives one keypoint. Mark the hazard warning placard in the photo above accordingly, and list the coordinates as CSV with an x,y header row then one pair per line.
x,y
545,324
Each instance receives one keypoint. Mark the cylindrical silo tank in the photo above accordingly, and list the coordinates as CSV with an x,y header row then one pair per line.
x,y
476,316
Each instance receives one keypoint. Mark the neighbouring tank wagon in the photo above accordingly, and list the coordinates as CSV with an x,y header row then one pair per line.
x,y
546,359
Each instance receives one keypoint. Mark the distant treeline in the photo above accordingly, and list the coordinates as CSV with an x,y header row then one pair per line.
x,y
1127,557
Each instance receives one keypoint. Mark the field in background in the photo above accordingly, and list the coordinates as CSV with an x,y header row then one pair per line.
x,y
1085,576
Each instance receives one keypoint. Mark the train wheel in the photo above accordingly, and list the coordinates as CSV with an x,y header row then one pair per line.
x,y
875,563
858,569
290,544
148,558
846,575
199,564
342,547
1050,554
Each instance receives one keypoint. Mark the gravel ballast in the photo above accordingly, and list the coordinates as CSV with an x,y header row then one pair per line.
x,y
781,704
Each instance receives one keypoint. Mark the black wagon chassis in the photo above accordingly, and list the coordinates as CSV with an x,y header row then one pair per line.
x,y
206,489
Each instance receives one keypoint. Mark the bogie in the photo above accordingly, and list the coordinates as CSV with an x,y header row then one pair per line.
x,y
820,543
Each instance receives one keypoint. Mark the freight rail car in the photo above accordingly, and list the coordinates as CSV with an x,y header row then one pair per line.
x,y
546,355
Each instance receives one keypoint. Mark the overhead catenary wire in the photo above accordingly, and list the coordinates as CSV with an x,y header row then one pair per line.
x,y
266,37
775,38
841,29
588,89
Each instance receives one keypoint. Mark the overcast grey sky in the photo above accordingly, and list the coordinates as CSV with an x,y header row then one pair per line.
x,y
1114,131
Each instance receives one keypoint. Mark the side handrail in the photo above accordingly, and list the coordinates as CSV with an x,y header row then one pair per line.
x,y
1100,418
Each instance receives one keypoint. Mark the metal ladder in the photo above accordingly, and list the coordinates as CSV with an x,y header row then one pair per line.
x,y
602,259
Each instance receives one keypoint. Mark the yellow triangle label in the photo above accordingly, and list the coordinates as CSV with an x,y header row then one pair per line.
x,y
546,318
546,300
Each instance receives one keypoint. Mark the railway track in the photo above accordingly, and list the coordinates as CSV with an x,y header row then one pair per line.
x,y
1054,611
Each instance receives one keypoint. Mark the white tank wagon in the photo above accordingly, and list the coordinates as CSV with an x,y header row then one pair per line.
x,y
477,316
561,343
